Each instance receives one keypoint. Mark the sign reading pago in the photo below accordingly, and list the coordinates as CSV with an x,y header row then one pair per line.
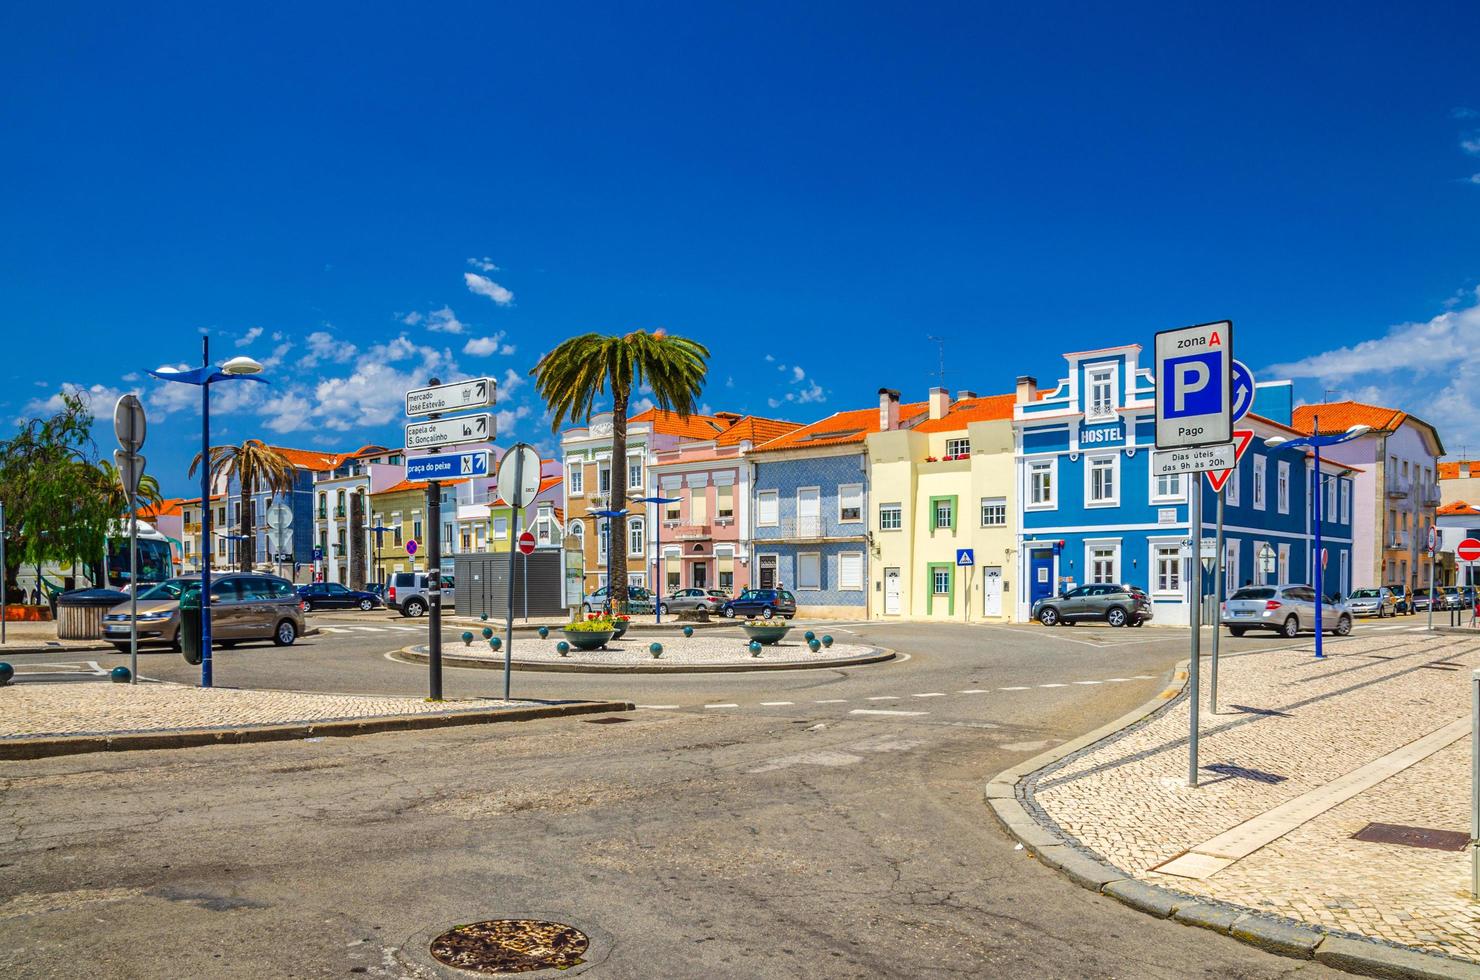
x,y
1468,550
1194,385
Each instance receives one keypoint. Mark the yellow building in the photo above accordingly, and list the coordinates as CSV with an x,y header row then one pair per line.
x,y
402,510
944,496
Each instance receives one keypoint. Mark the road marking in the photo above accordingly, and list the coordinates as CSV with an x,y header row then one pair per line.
x,y
884,697
1087,682
404,629
659,707
775,704
832,701
721,706
1145,677
368,629
1014,689
974,690
933,694
1116,680
880,711
333,629
1049,685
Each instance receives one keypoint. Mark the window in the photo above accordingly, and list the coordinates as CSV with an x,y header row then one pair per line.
x,y
396,530
958,447
1041,484
575,477
1282,499
1284,567
416,525
603,535
1101,392
850,571
1328,512
891,517
323,505
603,479
500,528
766,509
809,570
1346,502
940,581
634,472
850,503
942,513
1167,561
1230,489
724,502
579,530
1259,462
1168,487
1102,564
699,505
994,512
1101,475
636,543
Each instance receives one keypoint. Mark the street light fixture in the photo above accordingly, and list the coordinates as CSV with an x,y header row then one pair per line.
x,y
658,551
236,369
1315,441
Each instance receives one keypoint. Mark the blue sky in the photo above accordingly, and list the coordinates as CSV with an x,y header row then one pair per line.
x,y
317,186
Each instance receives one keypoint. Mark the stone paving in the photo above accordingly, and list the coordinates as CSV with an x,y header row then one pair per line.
x,y
1289,724
703,648
53,710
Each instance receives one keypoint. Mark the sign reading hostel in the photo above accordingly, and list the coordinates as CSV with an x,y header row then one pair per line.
x,y
456,397
1194,385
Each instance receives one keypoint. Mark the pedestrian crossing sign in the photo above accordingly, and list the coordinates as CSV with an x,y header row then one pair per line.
x,y
965,558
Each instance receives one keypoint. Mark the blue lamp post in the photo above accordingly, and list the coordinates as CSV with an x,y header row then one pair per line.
x,y
609,515
1315,442
236,369
658,587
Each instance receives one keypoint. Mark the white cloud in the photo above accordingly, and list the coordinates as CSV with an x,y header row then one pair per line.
x,y
483,346
1471,144
511,383
412,319
287,412
812,393
246,339
770,357
374,392
1463,112
279,352
99,399
484,286
324,346
730,382
445,321
773,402
642,405
505,418
484,264
131,377
797,374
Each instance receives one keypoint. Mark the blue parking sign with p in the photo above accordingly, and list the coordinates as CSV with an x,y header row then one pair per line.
x,y
1194,386
1195,383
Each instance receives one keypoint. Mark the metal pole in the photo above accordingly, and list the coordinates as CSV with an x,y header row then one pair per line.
x,y
509,496
1194,527
133,592
205,525
1475,784
660,574
1316,557
1218,574
434,594
1432,556
5,577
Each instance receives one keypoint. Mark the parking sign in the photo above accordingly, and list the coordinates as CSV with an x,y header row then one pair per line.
x,y
1194,385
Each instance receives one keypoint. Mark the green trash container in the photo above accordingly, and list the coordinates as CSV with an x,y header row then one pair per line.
x,y
190,626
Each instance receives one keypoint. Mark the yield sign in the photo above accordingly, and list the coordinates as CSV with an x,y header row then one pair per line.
x,y
1241,440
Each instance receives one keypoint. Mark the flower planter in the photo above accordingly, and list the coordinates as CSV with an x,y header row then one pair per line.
x,y
619,626
767,634
588,639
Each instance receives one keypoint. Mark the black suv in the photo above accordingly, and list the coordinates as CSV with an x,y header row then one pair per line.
x,y
765,603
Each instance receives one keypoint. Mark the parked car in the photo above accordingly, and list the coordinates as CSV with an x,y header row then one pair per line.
x,y
332,595
1116,604
691,600
1403,601
244,606
1449,597
1421,601
1286,609
760,603
1372,602
377,589
406,593
639,600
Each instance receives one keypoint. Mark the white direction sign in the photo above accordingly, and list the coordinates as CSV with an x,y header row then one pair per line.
x,y
456,397
450,432
1194,385
1199,459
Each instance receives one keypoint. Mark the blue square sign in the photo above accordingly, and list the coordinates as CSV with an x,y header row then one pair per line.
x,y
1194,385
965,557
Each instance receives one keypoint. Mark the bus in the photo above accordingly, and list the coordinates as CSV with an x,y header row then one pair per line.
x,y
155,560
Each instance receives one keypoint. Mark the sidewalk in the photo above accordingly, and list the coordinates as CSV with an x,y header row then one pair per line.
x,y
41,637
1302,756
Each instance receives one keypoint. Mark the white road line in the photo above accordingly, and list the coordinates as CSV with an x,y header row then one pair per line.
x,y
721,706
404,629
973,690
1145,677
775,704
933,694
658,707
1051,685
1087,682
884,697
1116,680
368,629
333,629
880,711
1014,689
832,701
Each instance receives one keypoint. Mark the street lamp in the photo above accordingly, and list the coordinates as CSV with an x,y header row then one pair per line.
x,y
1315,441
236,369
658,550
610,515
379,530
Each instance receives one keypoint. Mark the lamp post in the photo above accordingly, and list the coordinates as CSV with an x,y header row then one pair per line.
x,y
236,369
610,515
379,530
658,551
1315,441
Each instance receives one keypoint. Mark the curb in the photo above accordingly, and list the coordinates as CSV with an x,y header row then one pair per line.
x,y
41,748
1285,937
413,655
90,648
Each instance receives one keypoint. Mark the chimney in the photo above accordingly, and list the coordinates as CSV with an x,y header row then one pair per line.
x,y
1027,389
888,409
940,403
962,395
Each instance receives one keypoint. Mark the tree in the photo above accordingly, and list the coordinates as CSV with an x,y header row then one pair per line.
x,y
255,464
111,489
572,376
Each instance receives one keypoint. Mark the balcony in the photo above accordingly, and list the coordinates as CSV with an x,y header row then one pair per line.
x,y
1397,541
686,532
808,529
1398,488
341,512
1429,496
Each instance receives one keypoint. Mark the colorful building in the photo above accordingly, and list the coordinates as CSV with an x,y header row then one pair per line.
x,y
402,510
341,516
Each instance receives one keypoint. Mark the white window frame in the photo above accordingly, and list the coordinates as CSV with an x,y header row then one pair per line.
x,y
1094,462
635,464
1093,377
1328,503
817,585
1031,468
897,510
1261,476
844,490
843,583
1230,566
1161,551
636,532
935,506
575,478
761,497
500,529
958,446
1157,497
1230,489
1091,545
1282,566
1346,502
935,576
604,469
1282,487
995,503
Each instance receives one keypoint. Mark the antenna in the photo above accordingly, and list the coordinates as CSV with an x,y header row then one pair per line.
x,y
1326,393
942,345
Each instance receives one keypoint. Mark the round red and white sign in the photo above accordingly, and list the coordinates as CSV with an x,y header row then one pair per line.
x,y
526,543
1468,550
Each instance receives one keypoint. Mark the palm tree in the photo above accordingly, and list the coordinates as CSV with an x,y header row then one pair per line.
x,y
572,376
116,496
255,464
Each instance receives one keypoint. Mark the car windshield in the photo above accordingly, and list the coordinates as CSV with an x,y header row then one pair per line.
x,y
1364,593
169,589
1254,593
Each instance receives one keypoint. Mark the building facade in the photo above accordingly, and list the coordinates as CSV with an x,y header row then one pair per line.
x,y
342,544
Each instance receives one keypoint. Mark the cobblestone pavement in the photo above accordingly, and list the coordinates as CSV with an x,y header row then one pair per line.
x,y
24,636
1289,724
701,648
45,710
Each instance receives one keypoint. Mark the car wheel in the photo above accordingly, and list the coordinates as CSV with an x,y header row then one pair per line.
x,y
729,612
1116,616
767,613
121,647
285,634
308,605
367,604
663,608
1138,621
416,608
1048,616
1344,626
1237,630
1291,628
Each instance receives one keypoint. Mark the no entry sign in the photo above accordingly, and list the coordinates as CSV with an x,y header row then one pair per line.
x,y
1468,550
526,543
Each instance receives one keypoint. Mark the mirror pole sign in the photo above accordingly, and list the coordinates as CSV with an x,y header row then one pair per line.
x,y
456,397
1194,385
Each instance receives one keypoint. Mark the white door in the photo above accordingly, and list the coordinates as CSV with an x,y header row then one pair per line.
x,y
808,510
992,590
891,592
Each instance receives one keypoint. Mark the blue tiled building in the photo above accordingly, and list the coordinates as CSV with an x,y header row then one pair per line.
x,y
1090,510
307,465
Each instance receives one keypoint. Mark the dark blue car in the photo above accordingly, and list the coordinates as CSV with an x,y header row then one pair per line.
x,y
761,604
332,595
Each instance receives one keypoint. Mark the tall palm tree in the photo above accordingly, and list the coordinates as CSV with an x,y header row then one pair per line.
x,y
572,376
116,496
255,464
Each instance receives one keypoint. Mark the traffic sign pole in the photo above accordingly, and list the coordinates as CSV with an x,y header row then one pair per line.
x,y
1218,576
1194,531
514,496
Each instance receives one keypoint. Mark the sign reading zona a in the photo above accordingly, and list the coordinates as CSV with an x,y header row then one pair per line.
x,y
1194,385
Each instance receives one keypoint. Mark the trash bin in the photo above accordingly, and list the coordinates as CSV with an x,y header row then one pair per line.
x,y
80,614
190,625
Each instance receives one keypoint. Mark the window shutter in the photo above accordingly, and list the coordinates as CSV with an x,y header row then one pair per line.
x,y
767,509
850,570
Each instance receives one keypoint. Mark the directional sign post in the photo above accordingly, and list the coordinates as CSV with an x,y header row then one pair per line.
x,y
130,426
450,432
449,466
518,484
456,397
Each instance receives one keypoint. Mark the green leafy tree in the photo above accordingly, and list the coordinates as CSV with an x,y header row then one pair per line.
x,y
581,370
111,489
255,465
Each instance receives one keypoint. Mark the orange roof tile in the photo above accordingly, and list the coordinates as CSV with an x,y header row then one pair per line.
x,y
1340,416
165,508
989,408
1450,470
755,430
413,485
669,424
840,428
1459,507
311,459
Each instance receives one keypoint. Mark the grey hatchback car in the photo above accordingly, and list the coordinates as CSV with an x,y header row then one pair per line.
x,y
1285,609
1116,604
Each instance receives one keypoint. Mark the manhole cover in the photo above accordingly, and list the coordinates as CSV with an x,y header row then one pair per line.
x,y
511,946
1388,833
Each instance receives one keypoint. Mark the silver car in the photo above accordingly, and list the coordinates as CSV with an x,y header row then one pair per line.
x,y
406,593
692,600
1372,602
1285,609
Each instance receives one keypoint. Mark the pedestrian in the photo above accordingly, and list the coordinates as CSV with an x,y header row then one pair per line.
x,y
35,596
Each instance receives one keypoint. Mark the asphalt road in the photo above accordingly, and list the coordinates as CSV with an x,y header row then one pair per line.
x,y
822,823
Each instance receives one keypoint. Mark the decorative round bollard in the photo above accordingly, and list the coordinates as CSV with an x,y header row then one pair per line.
x,y
755,648
119,675
487,632
809,636
495,643
656,649
484,617
6,673
827,640
467,638
688,631
544,632
813,645
562,648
